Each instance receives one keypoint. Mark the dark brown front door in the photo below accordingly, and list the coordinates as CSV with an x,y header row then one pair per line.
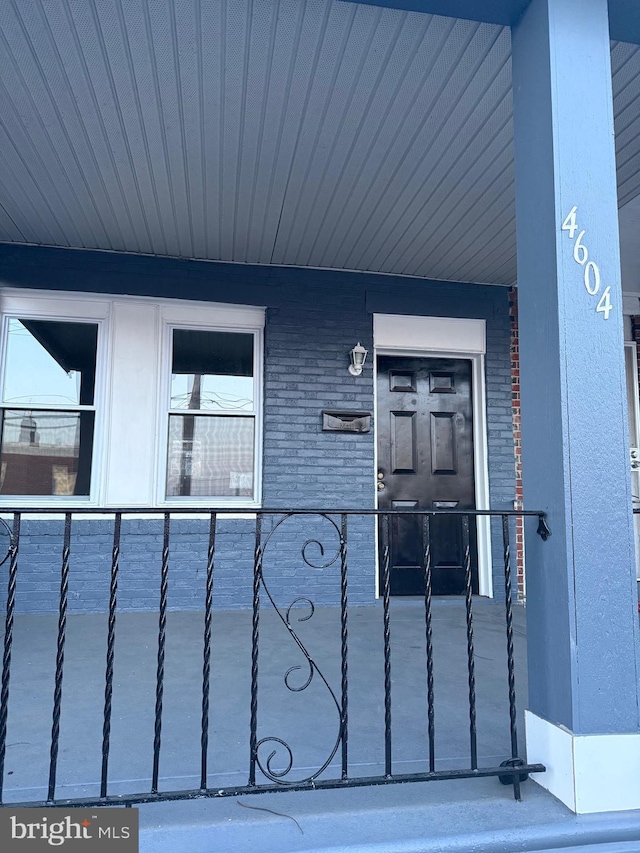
x,y
425,461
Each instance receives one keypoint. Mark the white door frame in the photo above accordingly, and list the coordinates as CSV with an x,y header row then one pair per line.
x,y
445,337
633,403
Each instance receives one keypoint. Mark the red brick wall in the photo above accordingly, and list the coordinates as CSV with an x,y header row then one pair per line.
x,y
515,410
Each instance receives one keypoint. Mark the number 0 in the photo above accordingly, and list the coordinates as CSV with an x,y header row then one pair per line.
x,y
592,289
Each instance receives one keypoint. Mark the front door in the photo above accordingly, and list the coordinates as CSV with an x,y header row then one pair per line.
x,y
425,461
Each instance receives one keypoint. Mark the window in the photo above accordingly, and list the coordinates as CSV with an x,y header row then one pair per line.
x,y
122,401
211,449
48,411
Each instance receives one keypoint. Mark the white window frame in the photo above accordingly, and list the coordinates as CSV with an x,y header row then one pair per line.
x,y
165,411
108,477
17,306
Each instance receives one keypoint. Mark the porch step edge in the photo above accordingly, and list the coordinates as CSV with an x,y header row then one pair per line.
x,y
440,818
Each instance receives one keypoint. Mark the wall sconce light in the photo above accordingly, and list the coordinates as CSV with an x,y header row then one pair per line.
x,y
358,357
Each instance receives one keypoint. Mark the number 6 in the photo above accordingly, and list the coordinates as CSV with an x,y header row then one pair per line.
x,y
580,251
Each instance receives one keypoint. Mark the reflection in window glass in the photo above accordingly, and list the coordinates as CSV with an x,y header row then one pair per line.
x,y
50,361
212,371
210,456
46,452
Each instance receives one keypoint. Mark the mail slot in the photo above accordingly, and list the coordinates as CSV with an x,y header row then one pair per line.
x,y
346,421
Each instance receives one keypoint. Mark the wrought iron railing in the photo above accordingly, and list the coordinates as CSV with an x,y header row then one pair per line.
x,y
262,772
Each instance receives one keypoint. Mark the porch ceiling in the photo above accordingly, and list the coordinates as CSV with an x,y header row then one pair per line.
x,y
302,132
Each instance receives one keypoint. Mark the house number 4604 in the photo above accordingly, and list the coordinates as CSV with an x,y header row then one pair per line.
x,y
591,269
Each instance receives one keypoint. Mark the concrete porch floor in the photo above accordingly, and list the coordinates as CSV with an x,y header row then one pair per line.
x,y
307,720
459,815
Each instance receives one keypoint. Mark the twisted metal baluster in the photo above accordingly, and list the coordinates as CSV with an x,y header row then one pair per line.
x,y
386,592
111,642
426,540
255,625
206,661
62,627
470,650
162,626
8,643
510,655
344,645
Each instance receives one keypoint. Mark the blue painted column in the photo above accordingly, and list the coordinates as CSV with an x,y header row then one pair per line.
x,y
581,599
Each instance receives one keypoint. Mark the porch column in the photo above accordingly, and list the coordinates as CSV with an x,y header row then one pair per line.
x,y
582,721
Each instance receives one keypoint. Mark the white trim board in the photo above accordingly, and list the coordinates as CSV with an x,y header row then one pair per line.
x,y
85,305
397,334
588,773
450,335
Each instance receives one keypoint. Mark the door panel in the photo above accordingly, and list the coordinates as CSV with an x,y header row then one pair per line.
x,y
403,442
443,443
425,461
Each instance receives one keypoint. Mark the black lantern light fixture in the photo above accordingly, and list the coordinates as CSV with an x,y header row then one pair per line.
x,y
358,357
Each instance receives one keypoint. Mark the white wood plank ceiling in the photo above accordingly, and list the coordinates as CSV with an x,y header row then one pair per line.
x,y
303,132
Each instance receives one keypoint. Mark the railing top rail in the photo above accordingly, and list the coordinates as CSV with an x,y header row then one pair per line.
x,y
93,510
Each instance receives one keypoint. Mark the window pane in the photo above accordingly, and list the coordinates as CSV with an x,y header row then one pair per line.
x,y
50,362
210,456
212,371
45,452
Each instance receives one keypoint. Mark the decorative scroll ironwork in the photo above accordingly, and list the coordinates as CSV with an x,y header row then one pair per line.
x,y
325,562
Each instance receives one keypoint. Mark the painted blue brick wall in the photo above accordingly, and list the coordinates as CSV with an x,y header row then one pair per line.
x,y
313,320
306,359
40,559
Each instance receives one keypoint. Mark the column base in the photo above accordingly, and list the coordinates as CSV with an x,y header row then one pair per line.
x,y
588,773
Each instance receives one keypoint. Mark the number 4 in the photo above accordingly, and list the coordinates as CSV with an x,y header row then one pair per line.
x,y
570,223
605,306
